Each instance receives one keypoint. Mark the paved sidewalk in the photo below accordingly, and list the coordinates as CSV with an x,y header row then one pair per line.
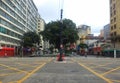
x,y
64,72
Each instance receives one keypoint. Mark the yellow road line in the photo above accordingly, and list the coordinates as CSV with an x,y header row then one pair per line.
x,y
13,68
116,80
107,80
13,82
29,74
104,67
111,71
28,65
50,59
101,65
9,74
4,69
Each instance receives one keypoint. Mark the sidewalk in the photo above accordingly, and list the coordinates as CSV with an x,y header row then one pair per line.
x,y
64,72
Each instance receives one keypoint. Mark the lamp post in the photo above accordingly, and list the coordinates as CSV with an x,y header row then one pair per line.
x,y
61,40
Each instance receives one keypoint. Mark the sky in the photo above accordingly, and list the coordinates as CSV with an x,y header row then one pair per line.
x,y
94,13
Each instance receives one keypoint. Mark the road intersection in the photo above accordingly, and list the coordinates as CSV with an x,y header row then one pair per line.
x,y
48,70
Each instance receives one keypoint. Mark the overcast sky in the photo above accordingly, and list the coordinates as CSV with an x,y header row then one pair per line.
x,y
94,13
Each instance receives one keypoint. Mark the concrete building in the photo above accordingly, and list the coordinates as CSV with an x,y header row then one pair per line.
x,y
115,22
107,32
83,31
101,33
41,27
16,18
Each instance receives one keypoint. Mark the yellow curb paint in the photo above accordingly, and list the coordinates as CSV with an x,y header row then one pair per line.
x,y
13,68
107,80
29,74
111,71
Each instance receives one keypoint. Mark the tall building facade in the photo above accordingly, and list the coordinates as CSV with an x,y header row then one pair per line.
x,y
83,31
115,21
101,33
16,18
41,26
106,31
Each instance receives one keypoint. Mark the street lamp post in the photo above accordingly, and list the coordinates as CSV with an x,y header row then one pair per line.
x,y
61,40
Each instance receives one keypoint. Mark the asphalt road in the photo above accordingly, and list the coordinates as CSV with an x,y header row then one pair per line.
x,y
48,70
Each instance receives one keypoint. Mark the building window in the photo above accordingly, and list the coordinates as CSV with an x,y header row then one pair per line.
x,y
111,20
115,33
111,27
114,26
113,6
114,19
110,9
111,14
111,34
114,12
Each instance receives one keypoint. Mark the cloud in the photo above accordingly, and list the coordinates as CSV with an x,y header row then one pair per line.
x,y
48,9
94,13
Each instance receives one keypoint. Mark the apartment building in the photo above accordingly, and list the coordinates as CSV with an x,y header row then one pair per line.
x,y
83,31
106,32
101,33
16,18
41,27
115,22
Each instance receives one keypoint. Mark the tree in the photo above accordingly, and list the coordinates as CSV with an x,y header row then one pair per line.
x,y
30,39
82,45
68,31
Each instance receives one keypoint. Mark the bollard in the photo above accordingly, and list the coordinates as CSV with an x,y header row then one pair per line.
x,y
114,53
58,57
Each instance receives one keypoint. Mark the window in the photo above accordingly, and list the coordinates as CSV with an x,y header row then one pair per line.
x,y
114,26
113,6
111,14
110,9
115,33
2,30
4,6
111,34
111,20
111,27
114,12
0,3
114,19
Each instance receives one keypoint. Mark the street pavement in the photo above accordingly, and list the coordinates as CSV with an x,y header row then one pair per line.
x,y
67,71
79,69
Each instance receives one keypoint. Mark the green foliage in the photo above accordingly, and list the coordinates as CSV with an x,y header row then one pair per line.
x,y
30,39
81,45
67,29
